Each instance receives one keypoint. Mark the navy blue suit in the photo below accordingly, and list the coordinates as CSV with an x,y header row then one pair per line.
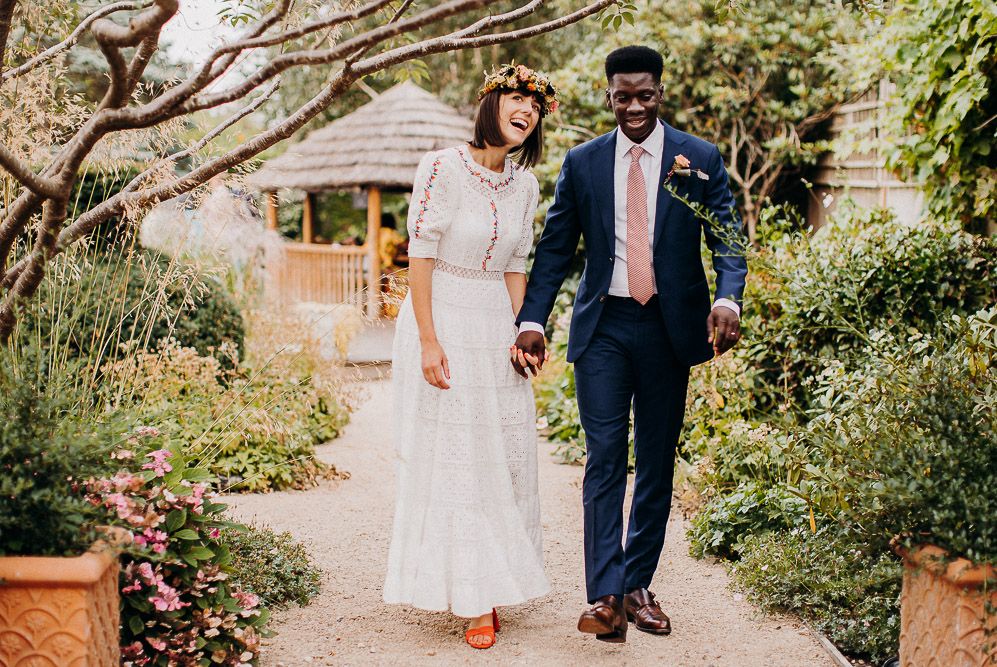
x,y
626,354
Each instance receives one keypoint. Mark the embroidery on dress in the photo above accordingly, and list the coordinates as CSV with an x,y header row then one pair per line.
x,y
426,195
485,180
491,246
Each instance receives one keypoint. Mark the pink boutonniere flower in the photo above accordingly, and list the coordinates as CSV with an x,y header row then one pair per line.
x,y
683,167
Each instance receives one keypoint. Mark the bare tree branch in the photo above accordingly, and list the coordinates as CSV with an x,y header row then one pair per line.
x,y
6,16
15,218
141,59
27,178
205,140
139,27
446,43
73,38
30,277
326,56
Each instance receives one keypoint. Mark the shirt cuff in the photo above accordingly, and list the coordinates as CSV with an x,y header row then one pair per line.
x,y
531,326
727,303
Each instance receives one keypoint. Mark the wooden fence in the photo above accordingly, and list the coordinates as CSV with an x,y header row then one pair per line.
x,y
861,175
321,274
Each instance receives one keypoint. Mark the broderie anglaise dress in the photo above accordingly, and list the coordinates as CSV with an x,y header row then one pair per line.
x,y
467,533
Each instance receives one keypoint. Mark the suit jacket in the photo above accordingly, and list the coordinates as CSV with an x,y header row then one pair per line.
x,y
584,207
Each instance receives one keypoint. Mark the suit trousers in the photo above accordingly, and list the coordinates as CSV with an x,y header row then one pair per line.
x,y
628,362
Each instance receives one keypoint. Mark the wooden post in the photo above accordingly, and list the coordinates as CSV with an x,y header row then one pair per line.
x,y
373,256
271,210
307,219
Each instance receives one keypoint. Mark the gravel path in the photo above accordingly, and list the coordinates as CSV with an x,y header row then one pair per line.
x,y
346,526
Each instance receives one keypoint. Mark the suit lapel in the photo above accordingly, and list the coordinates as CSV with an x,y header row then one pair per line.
x,y
673,146
603,162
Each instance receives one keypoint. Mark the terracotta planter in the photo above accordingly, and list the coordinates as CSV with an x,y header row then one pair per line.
x,y
60,612
943,620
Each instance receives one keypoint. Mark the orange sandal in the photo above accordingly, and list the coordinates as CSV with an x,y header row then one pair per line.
x,y
486,631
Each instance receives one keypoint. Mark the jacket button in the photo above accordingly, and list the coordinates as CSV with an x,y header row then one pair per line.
x,y
611,258
602,298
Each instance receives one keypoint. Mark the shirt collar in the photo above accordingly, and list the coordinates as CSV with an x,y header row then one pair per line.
x,y
652,145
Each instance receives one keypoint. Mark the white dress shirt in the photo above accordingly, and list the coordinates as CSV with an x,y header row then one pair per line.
x,y
650,164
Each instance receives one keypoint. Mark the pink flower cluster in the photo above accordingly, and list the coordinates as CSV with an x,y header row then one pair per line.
x,y
158,463
188,605
163,596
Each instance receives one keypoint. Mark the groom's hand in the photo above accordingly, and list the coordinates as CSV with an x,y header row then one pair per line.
x,y
529,352
723,329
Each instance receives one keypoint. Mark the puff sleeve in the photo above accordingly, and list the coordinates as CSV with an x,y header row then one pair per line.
x,y
433,205
517,263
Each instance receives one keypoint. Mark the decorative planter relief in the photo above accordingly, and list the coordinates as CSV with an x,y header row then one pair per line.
x,y
943,616
60,612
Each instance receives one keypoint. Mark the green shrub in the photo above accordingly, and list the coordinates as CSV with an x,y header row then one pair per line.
x,y
45,454
910,439
847,590
867,271
90,305
254,428
848,398
273,566
752,509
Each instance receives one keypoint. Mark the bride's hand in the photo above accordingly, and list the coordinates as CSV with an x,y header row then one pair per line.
x,y
435,367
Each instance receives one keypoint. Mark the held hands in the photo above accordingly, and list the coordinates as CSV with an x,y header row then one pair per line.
x,y
528,353
435,367
723,329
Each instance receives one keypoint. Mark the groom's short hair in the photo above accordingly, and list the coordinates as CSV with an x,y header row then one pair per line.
x,y
633,60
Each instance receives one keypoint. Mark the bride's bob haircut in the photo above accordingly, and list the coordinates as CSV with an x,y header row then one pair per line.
x,y
488,131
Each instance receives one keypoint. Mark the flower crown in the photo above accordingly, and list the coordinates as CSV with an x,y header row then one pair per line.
x,y
520,77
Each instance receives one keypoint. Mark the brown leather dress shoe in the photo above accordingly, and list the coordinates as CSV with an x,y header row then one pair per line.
x,y
605,619
645,613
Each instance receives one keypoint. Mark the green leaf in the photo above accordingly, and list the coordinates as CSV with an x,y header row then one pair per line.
x,y
186,534
136,625
175,519
200,553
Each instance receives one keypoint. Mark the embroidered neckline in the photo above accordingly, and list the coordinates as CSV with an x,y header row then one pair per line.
x,y
485,176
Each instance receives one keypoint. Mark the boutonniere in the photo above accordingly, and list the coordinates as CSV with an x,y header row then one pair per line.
x,y
682,167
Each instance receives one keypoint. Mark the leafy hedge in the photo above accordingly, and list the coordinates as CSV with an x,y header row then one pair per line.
x,y
853,379
273,566
940,127
45,455
254,428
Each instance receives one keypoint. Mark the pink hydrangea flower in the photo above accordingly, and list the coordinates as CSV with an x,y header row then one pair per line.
x,y
158,463
246,600
136,585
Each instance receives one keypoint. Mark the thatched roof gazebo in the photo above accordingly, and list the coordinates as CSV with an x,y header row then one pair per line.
x,y
375,148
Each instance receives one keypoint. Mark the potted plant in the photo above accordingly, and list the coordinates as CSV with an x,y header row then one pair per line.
x,y
58,574
911,438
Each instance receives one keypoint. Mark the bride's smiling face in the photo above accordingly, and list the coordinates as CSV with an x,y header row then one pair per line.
x,y
518,114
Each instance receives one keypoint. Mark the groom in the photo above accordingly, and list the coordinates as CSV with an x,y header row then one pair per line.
x,y
642,318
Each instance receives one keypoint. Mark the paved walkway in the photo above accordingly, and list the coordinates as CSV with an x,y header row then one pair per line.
x,y
346,526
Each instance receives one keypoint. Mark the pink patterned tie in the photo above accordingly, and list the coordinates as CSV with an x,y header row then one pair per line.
x,y
639,277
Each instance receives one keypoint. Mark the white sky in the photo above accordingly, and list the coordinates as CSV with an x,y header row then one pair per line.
x,y
195,31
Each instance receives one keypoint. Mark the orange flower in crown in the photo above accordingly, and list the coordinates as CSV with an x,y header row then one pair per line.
x,y
512,77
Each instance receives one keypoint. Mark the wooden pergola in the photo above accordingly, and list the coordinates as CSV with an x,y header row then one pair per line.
x,y
374,149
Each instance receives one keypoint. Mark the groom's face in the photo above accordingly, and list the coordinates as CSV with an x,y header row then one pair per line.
x,y
634,99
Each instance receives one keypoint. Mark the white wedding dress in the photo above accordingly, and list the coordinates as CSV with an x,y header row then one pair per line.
x,y
467,533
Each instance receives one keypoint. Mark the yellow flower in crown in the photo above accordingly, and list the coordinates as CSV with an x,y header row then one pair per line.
x,y
512,77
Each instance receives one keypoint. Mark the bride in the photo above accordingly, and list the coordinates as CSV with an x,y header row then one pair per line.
x,y
467,534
